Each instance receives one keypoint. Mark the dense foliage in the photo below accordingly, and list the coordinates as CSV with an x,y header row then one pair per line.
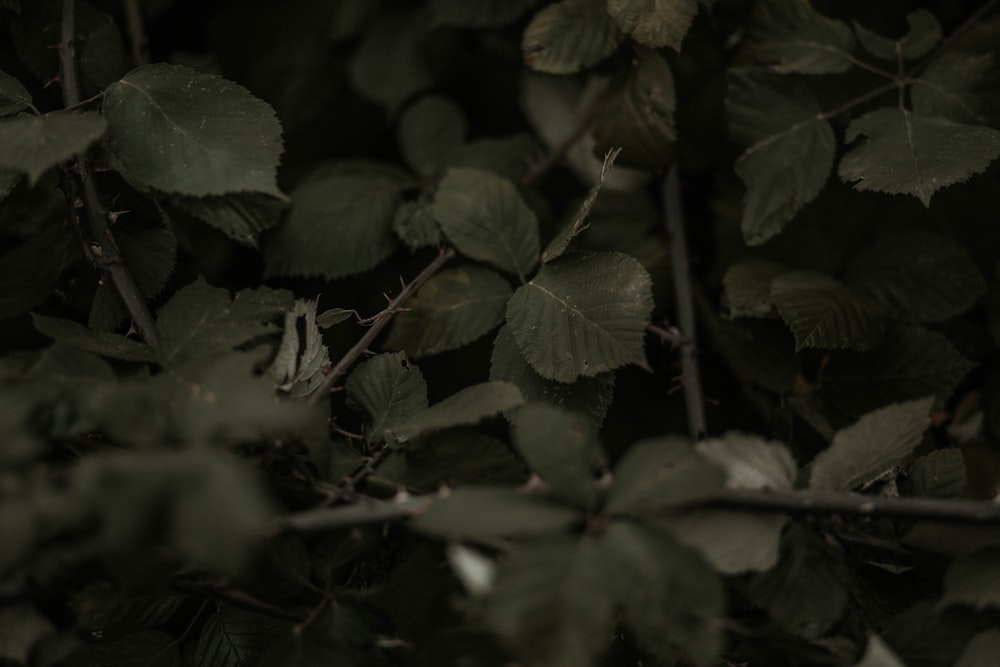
x,y
493,332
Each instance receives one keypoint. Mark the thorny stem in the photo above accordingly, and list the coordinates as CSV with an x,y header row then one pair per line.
x,y
104,251
137,34
378,323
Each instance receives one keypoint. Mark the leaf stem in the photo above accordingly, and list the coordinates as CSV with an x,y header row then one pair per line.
x,y
378,323
103,249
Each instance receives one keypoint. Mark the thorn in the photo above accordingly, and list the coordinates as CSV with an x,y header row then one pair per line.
x,y
56,79
114,215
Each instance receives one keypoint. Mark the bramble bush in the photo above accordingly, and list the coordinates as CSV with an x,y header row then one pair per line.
x,y
499,332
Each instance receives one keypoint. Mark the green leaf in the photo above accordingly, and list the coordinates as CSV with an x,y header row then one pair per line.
x,y
732,542
779,183
562,448
14,96
203,321
807,592
240,216
590,396
490,512
32,145
911,153
940,474
911,363
638,115
24,628
560,242
918,276
234,637
923,35
823,313
791,36
458,457
110,345
661,474
750,461
481,14
340,223
570,35
508,157
430,131
390,389
878,654
454,308
874,444
302,360
960,87
551,601
389,65
9,179
466,407
747,287
487,220
973,580
982,650
657,24
582,315
415,225
178,130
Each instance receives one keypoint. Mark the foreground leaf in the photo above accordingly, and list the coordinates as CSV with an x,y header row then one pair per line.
x,y
570,35
871,446
32,145
910,153
657,24
582,315
489,513
982,650
465,407
973,580
823,313
389,388
657,475
14,96
178,130
791,36
878,654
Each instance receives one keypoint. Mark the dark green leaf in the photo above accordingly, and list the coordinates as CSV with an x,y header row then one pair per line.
x,y
589,395
918,276
233,637
923,35
582,315
390,389
486,219
340,224
732,542
911,153
488,512
458,457
14,96
389,65
508,157
111,345
240,216
973,580
30,272
823,313
791,36
657,24
150,648
961,87
638,115
661,474
465,407
178,130
32,145
982,650
570,35
302,360
24,627
873,445
9,178
779,183
481,14
415,225
940,474
562,448
203,321
454,308
747,286
430,131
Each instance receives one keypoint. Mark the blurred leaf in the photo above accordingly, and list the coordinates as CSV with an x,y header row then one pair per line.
x,y
661,474
302,360
961,87
14,96
778,182
430,131
508,156
570,35
732,542
973,580
923,35
204,321
874,444
390,389
178,130
918,276
340,223
240,216
582,315
233,637
638,115
389,65
560,242
23,627
415,225
911,153
588,395
656,24
479,14
562,448
111,345
9,178
487,220
750,461
823,313
982,650
878,654
454,308
465,407
940,474
791,36
491,512
747,287
32,145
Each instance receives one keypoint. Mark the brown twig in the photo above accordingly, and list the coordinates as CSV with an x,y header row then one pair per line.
x,y
378,323
137,32
103,250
